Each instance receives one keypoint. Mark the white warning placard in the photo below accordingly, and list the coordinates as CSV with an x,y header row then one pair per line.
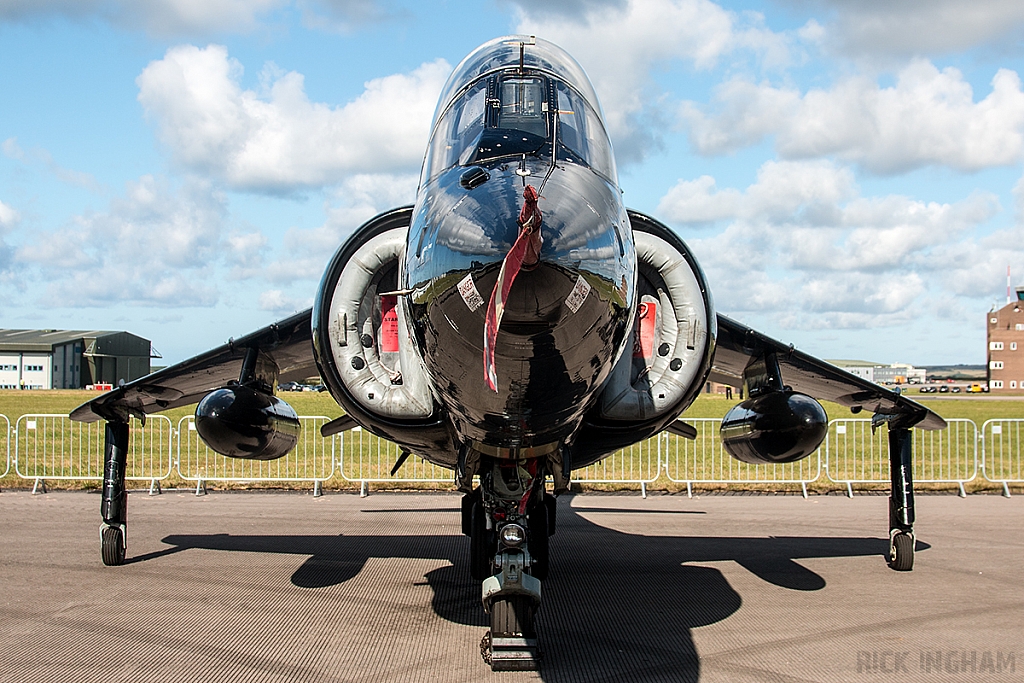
x,y
578,294
467,288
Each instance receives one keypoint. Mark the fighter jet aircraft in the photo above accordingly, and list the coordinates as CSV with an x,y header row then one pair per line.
x,y
515,324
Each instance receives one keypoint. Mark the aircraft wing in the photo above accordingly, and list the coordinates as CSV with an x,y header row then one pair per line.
x,y
287,345
738,344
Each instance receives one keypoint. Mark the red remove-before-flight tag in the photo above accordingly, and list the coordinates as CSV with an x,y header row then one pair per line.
x,y
643,342
388,324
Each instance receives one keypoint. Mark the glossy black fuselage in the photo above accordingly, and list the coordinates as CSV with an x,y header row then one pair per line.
x,y
550,359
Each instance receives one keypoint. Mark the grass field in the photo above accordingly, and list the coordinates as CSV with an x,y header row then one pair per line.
x,y
79,452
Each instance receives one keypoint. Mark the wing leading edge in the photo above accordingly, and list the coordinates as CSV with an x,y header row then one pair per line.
x,y
285,353
738,346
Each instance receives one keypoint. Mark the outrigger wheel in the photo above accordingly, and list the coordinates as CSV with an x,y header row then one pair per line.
x,y
901,550
112,545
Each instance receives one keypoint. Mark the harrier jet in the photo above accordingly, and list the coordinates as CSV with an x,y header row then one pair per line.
x,y
515,324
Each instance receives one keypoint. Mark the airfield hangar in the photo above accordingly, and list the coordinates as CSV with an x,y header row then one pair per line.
x,y
70,359
1006,346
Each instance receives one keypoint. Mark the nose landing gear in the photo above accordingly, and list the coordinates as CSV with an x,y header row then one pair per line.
x,y
508,519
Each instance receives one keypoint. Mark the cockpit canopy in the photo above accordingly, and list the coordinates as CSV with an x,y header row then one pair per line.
x,y
495,106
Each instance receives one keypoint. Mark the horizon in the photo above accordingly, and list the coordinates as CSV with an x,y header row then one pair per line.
x,y
848,175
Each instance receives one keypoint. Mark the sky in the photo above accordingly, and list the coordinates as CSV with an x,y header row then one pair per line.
x,y
847,172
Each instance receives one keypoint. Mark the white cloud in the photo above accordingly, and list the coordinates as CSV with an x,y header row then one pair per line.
x,y
620,44
12,150
277,302
874,29
246,249
804,246
306,251
281,141
8,217
341,16
170,18
783,190
156,245
927,117
158,17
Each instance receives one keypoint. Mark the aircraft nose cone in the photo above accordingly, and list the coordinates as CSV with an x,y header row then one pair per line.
x,y
556,326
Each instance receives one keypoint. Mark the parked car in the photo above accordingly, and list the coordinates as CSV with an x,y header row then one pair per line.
x,y
956,390
944,389
289,386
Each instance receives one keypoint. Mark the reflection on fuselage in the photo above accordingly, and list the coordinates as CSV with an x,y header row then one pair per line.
x,y
565,318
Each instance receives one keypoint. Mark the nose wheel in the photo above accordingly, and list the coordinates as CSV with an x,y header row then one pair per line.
x,y
511,644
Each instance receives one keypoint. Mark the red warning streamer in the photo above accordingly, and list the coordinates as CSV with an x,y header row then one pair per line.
x,y
525,251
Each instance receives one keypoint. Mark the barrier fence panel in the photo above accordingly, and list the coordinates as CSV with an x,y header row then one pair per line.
x,y
312,459
367,458
705,461
1001,459
52,447
639,464
5,443
946,456
855,455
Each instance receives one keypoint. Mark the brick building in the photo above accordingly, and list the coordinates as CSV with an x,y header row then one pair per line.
x,y
1006,346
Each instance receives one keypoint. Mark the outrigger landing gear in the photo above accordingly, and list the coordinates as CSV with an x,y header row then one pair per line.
x,y
509,518
114,506
901,496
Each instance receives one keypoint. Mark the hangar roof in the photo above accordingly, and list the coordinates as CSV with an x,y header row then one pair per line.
x,y
96,342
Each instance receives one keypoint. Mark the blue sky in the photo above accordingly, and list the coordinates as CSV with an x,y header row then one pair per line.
x,y
849,173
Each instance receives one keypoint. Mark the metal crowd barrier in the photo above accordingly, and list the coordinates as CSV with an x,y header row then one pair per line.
x,y
704,461
366,458
312,460
854,454
53,447
639,464
6,441
1001,461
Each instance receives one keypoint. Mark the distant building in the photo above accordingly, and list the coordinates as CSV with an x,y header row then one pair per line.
x,y
70,359
1006,346
895,373
863,369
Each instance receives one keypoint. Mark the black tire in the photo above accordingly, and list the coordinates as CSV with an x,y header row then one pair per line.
x,y
112,546
481,546
901,553
468,502
539,545
512,616
551,503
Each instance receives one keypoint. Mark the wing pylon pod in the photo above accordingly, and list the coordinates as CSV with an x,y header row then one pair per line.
x,y
775,424
244,419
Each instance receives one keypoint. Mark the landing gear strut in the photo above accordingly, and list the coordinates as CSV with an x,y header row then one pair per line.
x,y
509,518
901,496
114,505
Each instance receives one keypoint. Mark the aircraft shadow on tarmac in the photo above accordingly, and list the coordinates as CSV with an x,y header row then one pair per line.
x,y
616,605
